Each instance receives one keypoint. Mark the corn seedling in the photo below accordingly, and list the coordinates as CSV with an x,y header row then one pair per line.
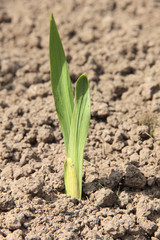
x,y
74,116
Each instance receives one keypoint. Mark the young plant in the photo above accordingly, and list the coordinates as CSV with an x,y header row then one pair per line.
x,y
74,117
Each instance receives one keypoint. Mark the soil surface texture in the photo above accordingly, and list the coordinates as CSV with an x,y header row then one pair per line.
x,y
117,44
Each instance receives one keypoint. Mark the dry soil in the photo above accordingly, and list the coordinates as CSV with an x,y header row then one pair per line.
x,y
117,44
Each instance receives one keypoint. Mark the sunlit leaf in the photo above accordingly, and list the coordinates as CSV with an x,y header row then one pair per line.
x,y
60,81
79,127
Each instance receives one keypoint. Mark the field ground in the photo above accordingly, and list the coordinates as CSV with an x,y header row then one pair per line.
x,y
117,44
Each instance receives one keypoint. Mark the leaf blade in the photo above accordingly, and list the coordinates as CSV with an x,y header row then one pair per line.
x,y
60,81
79,127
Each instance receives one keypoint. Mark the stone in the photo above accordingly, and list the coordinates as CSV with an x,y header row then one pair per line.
x,y
118,225
124,199
144,154
9,67
119,140
99,109
14,221
105,197
17,234
134,178
134,158
151,181
45,134
6,201
147,225
7,173
146,208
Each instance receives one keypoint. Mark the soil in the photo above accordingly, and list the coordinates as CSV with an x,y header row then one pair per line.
x,y
117,44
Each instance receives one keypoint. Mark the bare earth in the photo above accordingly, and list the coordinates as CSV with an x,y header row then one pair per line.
x,y
117,44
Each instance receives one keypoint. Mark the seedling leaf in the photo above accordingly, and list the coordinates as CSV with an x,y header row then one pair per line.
x,y
60,81
79,127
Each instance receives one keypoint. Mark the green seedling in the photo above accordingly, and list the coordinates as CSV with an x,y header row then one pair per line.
x,y
74,116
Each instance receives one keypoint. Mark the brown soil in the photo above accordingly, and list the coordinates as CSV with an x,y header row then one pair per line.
x,y
117,44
